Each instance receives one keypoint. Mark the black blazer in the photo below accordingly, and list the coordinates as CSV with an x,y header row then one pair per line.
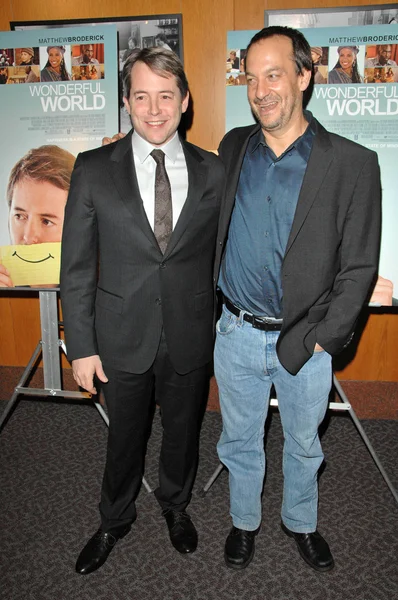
x,y
332,252
117,288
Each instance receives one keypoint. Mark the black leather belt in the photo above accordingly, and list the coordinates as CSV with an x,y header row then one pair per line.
x,y
263,323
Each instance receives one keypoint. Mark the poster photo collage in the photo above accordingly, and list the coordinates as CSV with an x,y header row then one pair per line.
x,y
334,64
52,63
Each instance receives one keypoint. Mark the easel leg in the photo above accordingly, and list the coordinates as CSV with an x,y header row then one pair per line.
x,y
25,375
343,405
365,438
210,482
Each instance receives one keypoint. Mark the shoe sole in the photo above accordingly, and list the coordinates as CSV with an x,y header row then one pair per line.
x,y
305,559
310,564
238,567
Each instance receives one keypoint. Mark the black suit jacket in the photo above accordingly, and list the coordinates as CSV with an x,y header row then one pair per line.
x,y
117,288
332,253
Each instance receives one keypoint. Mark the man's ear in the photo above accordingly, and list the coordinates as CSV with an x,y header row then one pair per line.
x,y
185,103
305,78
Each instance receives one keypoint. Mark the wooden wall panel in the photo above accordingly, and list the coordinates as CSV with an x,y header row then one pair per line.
x,y
75,9
8,344
249,15
20,329
376,355
205,25
4,16
205,39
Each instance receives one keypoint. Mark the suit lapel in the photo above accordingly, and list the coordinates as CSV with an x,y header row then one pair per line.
x,y
125,180
236,161
197,177
318,165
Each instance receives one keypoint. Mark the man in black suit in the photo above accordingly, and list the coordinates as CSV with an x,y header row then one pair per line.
x,y
297,250
138,294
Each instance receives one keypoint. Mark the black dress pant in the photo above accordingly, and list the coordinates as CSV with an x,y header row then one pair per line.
x,y
129,400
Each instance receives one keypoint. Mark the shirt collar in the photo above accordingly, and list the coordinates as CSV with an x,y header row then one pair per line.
x,y
142,148
303,143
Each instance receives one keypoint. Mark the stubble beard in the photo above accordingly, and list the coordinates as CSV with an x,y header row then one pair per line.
x,y
283,118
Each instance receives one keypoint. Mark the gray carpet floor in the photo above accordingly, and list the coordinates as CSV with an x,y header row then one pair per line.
x,y
51,460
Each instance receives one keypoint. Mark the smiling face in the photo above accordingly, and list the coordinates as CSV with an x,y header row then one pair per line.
x,y
88,51
55,57
384,54
25,56
155,104
346,58
36,212
274,88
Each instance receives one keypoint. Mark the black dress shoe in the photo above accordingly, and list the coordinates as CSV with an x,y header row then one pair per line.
x,y
239,548
313,548
97,550
183,534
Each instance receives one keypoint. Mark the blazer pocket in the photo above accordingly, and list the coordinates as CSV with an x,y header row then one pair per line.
x,y
317,313
213,202
109,301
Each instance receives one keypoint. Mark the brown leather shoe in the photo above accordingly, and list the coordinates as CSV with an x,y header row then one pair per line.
x,y
239,548
313,549
183,534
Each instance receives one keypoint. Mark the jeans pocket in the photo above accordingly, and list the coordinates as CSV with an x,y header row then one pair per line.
x,y
226,323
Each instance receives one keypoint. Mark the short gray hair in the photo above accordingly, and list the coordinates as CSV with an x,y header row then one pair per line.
x,y
161,61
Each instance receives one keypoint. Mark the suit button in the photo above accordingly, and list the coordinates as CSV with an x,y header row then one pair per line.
x,y
158,301
162,265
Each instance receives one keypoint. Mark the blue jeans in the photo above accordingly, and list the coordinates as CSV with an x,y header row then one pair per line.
x,y
246,365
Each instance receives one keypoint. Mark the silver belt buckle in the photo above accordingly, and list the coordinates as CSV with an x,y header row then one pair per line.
x,y
270,320
257,322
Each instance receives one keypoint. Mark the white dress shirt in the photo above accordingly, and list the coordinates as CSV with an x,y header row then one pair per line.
x,y
176,168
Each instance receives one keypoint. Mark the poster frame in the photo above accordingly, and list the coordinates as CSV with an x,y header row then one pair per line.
x,y
369,10
170,21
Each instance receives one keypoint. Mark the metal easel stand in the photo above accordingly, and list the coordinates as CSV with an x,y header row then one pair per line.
x,y
343,405
49,347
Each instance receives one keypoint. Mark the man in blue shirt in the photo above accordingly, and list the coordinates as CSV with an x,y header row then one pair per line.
x,y
296,255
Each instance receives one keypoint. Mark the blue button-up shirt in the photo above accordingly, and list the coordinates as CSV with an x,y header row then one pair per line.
x,y
261,221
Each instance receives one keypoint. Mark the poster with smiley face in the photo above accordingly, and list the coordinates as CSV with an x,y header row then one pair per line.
x,y
32,265
50,114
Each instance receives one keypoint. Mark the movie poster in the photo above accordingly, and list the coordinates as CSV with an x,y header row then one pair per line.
x,y
58,93
355,95
132,32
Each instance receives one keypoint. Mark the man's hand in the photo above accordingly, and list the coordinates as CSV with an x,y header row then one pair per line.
x,y
114,138
84,370
5,279
382,292
318,348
